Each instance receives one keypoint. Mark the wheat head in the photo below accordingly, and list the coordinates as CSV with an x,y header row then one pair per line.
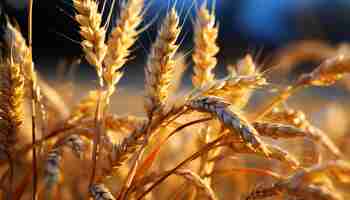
x,y
121,39
161,63
205,49
11,106
93,33
231,120
100,192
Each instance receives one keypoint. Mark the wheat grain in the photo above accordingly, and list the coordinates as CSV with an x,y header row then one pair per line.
x,y
179,71
208,133
124,124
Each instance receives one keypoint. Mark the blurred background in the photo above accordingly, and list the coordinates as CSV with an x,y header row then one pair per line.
x,y
246,26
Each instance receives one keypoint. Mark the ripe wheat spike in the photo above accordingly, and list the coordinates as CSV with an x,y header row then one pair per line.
x,y
231,120
160,66
100,192
205,35
11,106
93,33
328,72
122,39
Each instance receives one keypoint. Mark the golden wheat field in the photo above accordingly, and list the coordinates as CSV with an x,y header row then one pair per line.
x,y
242,136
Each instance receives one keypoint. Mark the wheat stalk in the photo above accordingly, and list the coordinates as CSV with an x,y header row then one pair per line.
x,y
95,50
205,35
160,65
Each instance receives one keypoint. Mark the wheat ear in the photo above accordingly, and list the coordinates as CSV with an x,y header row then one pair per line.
x,y
237,90
161,63
276,153
205,50
121,40
205,35
93,33
22,54
298,119
54,157
277,130
196,180
328,72
231,120
260,192
11,107
100,192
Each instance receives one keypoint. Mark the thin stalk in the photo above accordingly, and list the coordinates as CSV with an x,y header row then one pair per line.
x,y
99,130
283,96
150,129
33,95
177,130
34,164
261,172
195,155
